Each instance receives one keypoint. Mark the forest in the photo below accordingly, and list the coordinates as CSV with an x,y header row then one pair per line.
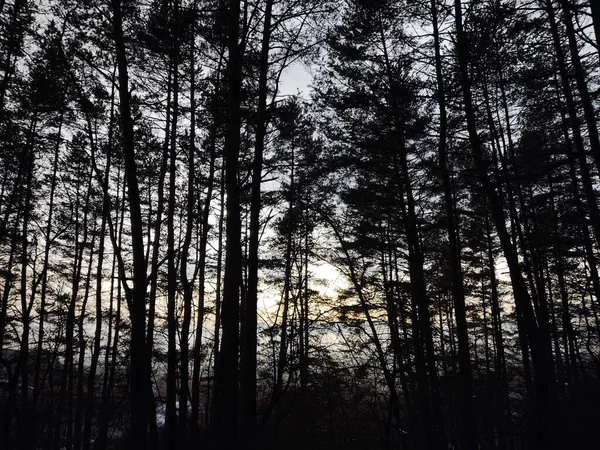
x,y
299,224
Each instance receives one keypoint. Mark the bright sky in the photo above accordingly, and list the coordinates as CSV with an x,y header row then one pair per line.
x,y
295,80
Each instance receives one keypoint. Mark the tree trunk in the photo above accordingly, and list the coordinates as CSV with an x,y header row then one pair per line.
x,y
226,419
574,125
78,429
194,436
466,405
521,295
248,377
595,9
106,204
26,306
580,79
500,358
139,379
172,322
44,275
186,282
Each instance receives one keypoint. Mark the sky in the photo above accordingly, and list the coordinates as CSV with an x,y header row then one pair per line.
x,y
296,80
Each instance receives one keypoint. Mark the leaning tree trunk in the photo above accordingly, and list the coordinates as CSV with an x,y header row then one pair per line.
x,y
522,298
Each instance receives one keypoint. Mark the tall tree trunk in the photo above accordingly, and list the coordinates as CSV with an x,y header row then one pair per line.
x,y
6,438
113,342
154,265
66,383
305,302
78,430
287,285
568,334
466,405
202,264
522,298
428,389
186,282
8,281
26,305
500,358
44,275
226,418
139,377
218,303
248,377
98,333
172,323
